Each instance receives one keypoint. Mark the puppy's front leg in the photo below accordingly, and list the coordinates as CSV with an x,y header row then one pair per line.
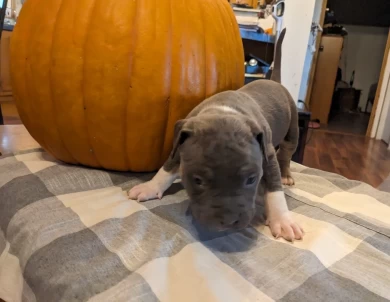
x,y
156,187
165,177
278,216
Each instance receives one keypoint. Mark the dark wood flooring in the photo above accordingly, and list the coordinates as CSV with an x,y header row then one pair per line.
x,y
353,156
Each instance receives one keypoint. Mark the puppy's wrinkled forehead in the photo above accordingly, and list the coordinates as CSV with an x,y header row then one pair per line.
x,y
225,142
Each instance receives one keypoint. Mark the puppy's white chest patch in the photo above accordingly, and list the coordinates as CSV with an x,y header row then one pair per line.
x,y
222,108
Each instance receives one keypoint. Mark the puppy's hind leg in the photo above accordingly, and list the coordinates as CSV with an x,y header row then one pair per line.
x,y
287,149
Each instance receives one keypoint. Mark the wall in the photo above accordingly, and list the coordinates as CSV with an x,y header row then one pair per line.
x,y
297,19
16,5
363,52
310,51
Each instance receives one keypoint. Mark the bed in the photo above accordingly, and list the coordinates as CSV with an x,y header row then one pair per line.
x,y
69,233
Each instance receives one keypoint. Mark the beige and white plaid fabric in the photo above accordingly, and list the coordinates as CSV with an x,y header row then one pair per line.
x,y
70,234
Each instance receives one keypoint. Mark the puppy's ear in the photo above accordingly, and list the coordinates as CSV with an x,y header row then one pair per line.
x,y
260,137
182,132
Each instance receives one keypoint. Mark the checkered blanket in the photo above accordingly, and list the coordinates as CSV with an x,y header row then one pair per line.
x,y
70,234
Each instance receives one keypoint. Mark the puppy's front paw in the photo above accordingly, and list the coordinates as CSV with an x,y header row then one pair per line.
x,y
146,191
288,180
284,226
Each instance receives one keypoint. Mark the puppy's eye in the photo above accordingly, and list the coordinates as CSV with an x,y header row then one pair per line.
x,y
251,180
197,181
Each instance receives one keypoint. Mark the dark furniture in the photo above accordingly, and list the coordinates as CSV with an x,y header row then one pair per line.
x,y
344,100
349,98
1,117
303,121
371,96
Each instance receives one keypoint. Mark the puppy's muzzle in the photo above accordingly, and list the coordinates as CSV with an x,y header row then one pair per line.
x,y
221,220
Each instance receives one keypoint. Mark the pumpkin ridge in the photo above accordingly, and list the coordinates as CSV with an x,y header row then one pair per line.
x,y
209,89
240,72
204,52
19,100
126,113
221,23
222,10
51,88
165,128
52,148
42,139
83,91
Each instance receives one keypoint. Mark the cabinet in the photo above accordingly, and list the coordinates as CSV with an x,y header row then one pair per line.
x,y
5,76
325,77
7,107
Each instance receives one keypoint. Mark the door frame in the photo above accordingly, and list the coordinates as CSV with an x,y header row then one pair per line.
x,y
377,106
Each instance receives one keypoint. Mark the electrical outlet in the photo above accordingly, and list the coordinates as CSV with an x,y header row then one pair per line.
x,y
8,12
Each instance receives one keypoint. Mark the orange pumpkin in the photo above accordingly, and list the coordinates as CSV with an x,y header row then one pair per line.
x,y
102,83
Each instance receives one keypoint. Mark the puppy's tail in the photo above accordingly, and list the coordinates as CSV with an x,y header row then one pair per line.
x,y
276,72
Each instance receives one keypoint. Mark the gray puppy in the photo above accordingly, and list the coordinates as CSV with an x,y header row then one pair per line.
x,y
224,151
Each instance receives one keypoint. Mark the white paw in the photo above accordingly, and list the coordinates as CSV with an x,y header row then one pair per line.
x,y
288,181
285,227
146,191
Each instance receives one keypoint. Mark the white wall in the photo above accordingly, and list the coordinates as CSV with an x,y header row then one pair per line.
x,y
310,51
363,52
297,19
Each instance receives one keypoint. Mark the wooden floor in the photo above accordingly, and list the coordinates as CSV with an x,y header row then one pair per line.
x,y
355,157
15,138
